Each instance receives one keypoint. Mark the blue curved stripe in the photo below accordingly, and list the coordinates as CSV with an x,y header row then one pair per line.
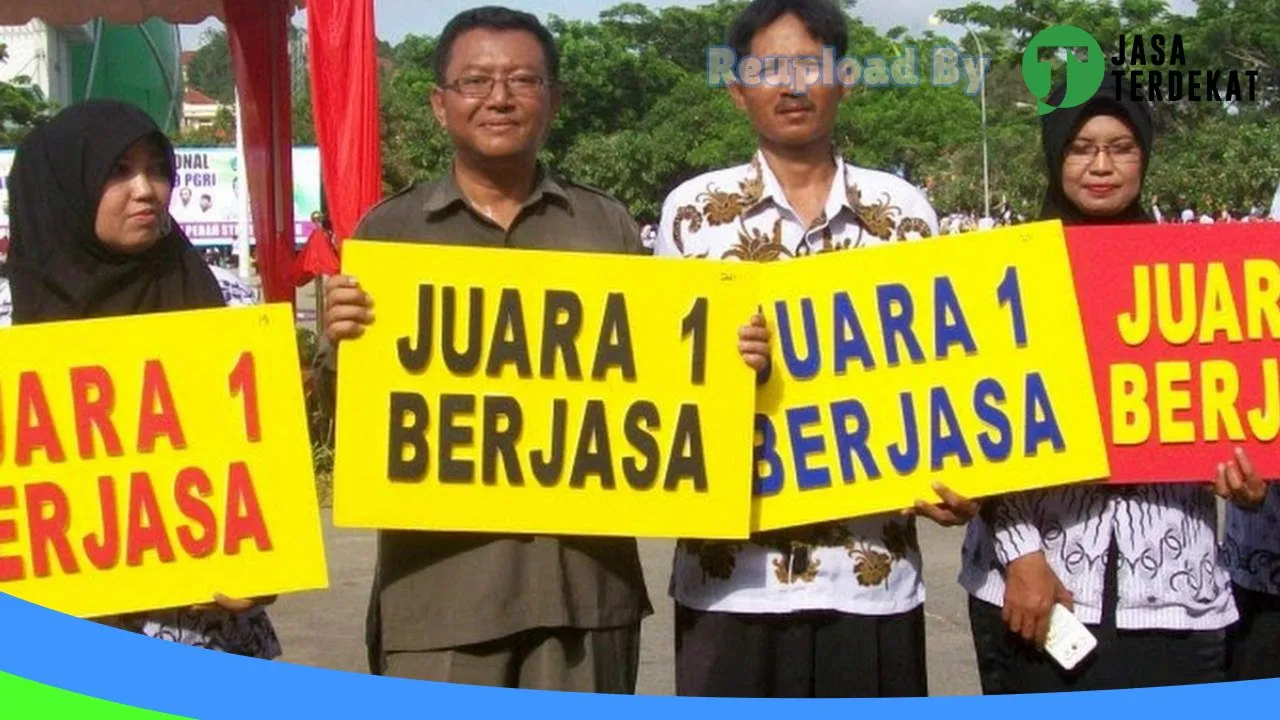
x,y
97,661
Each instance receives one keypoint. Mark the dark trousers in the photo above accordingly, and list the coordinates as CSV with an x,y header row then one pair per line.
x,y
994,646
1253,645
805,654
1123,658
571,659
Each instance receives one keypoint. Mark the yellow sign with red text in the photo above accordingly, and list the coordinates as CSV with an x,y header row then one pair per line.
x,y
154,461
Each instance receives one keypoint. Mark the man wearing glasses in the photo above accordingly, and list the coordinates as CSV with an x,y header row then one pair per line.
x,y
539,612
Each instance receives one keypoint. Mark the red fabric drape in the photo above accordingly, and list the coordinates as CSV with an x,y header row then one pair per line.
x,y
258,31
317,259
344,99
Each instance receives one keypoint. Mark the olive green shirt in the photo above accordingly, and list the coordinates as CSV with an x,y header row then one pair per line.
x,y
436,590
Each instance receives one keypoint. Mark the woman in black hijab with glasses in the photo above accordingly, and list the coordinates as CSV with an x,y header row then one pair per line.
x,y
1139,565
91,237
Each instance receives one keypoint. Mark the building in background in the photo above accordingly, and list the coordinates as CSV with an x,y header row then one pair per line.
x,y
198,110
138,64
43,53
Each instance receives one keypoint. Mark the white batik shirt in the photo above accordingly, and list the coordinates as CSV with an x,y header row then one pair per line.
x,y
868,566
1170,574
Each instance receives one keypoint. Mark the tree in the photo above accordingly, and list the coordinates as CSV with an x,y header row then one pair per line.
x,y
1241,34
639,115
210,70
304,128
679,34
414,146
607,86
22,106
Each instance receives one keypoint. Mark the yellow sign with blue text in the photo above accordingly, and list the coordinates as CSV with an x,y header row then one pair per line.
x,y
155,461
953,360
516,391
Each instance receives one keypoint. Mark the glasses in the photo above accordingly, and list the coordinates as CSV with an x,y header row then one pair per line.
x,y
1124,153
478,87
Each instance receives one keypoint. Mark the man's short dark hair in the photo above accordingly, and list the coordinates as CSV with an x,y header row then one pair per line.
x,y
206,196
492,17
821,18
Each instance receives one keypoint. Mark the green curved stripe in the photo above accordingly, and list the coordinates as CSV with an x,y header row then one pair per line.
x,y
27,700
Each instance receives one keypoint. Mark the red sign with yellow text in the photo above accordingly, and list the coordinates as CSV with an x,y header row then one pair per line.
x,y
1182,324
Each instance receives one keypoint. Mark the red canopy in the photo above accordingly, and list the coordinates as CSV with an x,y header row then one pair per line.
x,y
258,32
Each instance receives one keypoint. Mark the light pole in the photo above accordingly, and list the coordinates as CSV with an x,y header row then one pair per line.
x,y
982,88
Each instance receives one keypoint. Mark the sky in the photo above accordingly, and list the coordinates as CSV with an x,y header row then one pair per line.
x,y
396,18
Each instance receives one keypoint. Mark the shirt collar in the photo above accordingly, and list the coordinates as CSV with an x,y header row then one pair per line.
x,y
837,197
445,193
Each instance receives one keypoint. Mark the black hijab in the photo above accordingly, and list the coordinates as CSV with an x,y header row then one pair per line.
x,y
57,268
1060,126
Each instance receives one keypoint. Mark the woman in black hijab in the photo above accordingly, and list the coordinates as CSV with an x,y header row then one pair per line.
x,y
91,232
1082,190
1139,565
92,237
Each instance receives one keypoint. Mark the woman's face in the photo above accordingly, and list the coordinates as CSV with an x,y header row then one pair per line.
x,y
133,211
1102,167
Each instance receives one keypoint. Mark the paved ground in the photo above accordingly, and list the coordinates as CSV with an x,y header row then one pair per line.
x,y
326,629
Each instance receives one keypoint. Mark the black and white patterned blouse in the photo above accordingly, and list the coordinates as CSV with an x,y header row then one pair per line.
x,y
1170,575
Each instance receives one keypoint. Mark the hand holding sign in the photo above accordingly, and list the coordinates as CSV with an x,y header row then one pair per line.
x,y
347,308
753,343
1238,482
952,511
235,605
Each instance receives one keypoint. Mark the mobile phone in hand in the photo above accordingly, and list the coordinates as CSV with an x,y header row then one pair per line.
x,y
1069,641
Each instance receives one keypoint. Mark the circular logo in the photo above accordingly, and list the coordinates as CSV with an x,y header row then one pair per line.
x,y
1084,77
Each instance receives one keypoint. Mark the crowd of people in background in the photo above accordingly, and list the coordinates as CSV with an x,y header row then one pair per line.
x,y
965,221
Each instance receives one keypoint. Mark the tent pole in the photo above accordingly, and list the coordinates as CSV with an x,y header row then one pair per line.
x,y
242,233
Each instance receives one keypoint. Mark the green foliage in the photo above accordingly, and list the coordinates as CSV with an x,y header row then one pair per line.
x,y
22,106
1203,153
211,70
320,400
414,146
637,115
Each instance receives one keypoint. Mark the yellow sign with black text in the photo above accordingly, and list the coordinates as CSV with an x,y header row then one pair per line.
x,y
953,360
155,461
545,392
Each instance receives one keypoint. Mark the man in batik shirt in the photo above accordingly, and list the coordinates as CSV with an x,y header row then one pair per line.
x,y
834,610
